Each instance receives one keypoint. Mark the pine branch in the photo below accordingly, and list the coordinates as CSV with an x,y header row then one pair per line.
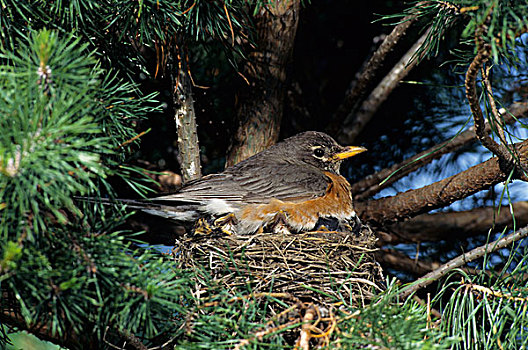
x,y
374,183
436,195
401,262
476,65
464,259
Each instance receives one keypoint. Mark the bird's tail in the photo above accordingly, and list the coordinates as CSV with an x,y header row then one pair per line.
x,y
176,210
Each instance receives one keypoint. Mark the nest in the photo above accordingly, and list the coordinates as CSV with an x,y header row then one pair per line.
x,y
319,266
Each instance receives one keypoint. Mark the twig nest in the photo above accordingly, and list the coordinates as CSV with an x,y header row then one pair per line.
x,y
321,266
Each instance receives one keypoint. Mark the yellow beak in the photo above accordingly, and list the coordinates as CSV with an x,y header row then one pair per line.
x,y
348,152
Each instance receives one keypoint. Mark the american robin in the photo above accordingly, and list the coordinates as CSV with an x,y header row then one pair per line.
x,y
294,183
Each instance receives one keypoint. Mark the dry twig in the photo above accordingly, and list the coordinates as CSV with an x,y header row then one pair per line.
x,y
476,65
372,103
464,259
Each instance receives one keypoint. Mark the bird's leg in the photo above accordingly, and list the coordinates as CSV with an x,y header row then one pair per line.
x,y
279,224
226,224
202,227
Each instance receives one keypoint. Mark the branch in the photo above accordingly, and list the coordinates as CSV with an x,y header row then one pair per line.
x,y
372,183
456,225
401,262
437,195
494,111
371,105
359,88
41,331
464,259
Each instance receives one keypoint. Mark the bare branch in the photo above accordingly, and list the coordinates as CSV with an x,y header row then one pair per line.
x,y
372,183
401,262
436,195
355,122
494,111
359,87
464,259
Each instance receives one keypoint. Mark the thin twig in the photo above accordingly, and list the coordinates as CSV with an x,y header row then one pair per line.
x,y
464,259
495,112
476,65
359,87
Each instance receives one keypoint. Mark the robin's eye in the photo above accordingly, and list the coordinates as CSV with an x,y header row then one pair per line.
x,y
318,152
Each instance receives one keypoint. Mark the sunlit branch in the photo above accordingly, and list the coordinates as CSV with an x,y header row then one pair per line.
x,y
380,180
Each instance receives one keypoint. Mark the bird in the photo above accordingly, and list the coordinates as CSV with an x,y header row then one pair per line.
x,y
292,185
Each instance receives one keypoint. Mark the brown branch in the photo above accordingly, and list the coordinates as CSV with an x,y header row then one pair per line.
x,y
464,259
456,225
370,71
355,122
439,194
372,183
476,65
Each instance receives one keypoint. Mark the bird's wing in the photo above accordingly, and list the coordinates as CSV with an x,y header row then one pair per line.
x,y
279,181
283,181
215,186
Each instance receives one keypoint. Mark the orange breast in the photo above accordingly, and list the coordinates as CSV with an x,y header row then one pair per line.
x,y
303,215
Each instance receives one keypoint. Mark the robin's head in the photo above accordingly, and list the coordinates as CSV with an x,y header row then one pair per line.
x,y
319,149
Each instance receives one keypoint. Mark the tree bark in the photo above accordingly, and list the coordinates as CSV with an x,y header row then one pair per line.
x,y
184,116
260,105
437,195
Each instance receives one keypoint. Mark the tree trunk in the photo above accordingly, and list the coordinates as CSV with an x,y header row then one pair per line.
x,y
260,106
184,116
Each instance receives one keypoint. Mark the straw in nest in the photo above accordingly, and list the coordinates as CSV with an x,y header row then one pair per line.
x,y
321,266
